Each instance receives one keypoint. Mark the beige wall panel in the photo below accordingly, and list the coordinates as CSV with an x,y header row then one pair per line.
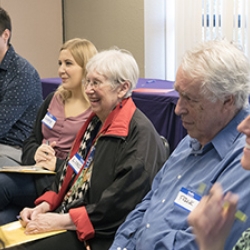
x,y
37,32
108,23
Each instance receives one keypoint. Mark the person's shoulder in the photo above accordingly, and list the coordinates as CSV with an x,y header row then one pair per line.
x,y
46,102
22,63
141,118
50,96
141,123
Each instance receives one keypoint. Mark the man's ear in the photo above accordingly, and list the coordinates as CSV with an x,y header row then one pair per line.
x,y
124,88
6,35
229,101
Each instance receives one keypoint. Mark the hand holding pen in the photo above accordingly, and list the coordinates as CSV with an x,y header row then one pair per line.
x,y
213,217
45,155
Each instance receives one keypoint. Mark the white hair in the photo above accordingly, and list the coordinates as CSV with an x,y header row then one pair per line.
x,y
222,69
117,66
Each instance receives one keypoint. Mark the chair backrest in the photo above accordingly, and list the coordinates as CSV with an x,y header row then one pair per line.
x,y
166,144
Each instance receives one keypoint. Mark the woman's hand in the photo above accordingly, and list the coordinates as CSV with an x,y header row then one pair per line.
x,y
48,164
213,217
49,222
29,214
45,156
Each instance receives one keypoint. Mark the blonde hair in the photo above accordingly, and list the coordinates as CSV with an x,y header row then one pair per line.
x,y
82,50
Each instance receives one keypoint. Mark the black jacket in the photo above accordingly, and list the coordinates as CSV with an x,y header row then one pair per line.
x,y
129,153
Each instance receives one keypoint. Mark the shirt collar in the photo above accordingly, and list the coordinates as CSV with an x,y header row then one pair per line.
x,y
223,141
7,58
118,121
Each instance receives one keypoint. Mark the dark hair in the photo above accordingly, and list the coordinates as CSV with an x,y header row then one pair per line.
x,y
5,22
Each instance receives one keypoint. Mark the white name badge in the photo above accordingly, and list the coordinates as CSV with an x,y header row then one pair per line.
x,y
187,199
49,120
76,163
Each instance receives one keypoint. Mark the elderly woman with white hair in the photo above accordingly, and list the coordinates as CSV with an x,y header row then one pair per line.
x,y
112,163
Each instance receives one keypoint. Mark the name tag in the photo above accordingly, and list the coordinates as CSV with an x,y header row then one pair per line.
x,y
187,199
49,120
76,163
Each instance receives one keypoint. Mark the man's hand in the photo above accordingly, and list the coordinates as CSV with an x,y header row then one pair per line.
x,y
212,219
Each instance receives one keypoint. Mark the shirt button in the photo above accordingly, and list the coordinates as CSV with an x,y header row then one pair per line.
x,y
148,225
179,176
125,248
163,201
118,248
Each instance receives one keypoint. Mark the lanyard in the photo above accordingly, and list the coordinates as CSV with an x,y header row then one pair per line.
x,y
84,176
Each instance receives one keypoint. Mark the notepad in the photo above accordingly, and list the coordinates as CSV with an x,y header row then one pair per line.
x,y
33,169
12,234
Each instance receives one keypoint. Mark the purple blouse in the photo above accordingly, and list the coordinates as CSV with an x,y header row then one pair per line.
x,y
65,129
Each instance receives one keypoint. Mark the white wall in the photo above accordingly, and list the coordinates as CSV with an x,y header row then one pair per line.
x,y
108,23
37,32
135,25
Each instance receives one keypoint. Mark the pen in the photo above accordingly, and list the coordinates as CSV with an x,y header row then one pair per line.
x,y
147,82
238,215
87,246
19,217
47,143
150,81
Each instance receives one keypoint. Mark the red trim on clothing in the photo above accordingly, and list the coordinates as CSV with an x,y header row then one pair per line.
x,y
84,228
117,123
49,197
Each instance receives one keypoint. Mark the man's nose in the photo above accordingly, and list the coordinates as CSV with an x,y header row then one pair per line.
x,y
181,106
